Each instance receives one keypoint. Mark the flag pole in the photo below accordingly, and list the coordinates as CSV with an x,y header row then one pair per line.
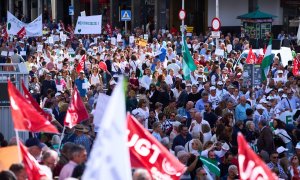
x,y
18,144
61,137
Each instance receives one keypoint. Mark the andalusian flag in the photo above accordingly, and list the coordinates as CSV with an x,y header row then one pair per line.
x,y
188,63
211,165
267,61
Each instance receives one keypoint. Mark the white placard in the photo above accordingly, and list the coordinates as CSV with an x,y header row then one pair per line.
x,y
229,48
219,52
56,38
4,53
82,13
64,38
23,53
119,37
59,88
88,25
131,39
85,85
95,40
50,40
146,36
61,34
189,34
11,53
113,40
40,48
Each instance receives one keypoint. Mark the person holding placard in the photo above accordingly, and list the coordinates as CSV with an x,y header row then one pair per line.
x,y
17,58
22,49
82,84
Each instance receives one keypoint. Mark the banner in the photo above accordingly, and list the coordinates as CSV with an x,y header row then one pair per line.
x,y
147,152
250,165
89,25
14,25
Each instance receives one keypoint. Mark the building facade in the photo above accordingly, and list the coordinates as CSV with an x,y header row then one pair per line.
x,y
163,13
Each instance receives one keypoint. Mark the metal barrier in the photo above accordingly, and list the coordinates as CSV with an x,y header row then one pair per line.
x,y
16,77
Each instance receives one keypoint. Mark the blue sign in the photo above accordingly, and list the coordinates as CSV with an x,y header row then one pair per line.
x,y
71,10
125,15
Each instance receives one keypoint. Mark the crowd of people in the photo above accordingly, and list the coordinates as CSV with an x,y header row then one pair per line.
x,y
196,117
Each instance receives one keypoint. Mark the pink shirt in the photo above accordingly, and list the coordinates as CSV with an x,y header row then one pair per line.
x,y
67,170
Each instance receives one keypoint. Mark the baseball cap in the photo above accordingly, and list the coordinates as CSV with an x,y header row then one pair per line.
x,y
34,142
280,90
179,76
212,88
263,101
279,71
220,83
259,106
281,149
225,147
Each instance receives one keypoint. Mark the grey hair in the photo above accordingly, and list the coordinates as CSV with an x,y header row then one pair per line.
x,y
49,153
76,150
141,174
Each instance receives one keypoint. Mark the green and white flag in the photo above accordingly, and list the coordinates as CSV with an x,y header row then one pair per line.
x,y
211,165
267,61
188,63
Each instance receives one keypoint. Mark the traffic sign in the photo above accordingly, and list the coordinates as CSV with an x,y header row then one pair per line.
x,y
71,10
181,14
125,15
215,34
215,24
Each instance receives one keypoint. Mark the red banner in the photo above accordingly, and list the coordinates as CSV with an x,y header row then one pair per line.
x,y
250,165
76,111
295,67
146,152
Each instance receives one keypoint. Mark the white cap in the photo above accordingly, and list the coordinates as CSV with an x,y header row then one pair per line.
x,y
212,88
263,101
259,106
280,89
279,71
220,83
225,147
281,150
284,95
179,76
188,84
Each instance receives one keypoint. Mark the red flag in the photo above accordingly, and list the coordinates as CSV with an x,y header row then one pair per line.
x,y
295,67
250,165
32,167
33,102
261,56
251,58
5,34
25,116
22,32
146,152
76,111
102,66
81,64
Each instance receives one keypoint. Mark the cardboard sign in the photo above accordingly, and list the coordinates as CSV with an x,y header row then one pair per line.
x,y
4,53
23,53
119,38
40,48
113,40
219,52
64,38
131,39
50,40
